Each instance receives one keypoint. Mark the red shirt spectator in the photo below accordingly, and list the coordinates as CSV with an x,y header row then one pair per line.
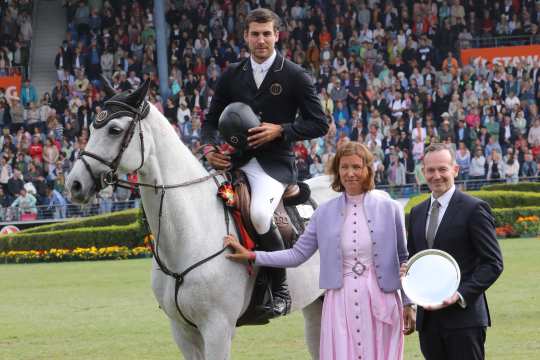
x,y
36,149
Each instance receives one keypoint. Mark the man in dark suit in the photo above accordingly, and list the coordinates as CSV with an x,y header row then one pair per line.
x,y
462,226
276,89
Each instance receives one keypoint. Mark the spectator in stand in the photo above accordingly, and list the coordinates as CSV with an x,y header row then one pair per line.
x,y
26,204
495,166
511,169
28,93
463,159
477,169
529,167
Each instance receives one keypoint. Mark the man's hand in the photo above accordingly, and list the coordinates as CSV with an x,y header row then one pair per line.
x,y
263,134
218,160
450,301
241,254
409,319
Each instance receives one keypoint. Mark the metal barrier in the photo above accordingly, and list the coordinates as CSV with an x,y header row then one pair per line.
x,y
45,213
12,70
498,41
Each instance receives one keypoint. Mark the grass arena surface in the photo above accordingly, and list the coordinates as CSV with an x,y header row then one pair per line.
x,y
106,310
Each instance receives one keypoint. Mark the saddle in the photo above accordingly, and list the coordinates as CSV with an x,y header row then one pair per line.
x,y
290,222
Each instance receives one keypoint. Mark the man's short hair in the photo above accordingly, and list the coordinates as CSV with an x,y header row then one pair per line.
x,y
441,147
262,15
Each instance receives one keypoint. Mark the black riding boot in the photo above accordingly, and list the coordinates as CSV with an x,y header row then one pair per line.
x,y
280,303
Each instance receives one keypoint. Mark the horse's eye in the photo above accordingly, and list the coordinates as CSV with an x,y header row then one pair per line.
x,y
115,130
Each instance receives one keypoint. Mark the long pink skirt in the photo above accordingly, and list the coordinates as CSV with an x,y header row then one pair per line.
x,y
359,321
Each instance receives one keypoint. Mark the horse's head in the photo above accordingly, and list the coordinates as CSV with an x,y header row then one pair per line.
x,y
110,148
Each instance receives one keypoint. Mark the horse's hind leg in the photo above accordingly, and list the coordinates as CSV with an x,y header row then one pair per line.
x,y
217,334
312,327
189,340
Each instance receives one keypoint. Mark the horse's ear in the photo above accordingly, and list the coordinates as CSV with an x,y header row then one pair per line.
x,y
137,97
109,91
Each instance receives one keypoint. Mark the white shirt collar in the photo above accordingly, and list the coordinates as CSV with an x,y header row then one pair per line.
x,y
444,199
265,65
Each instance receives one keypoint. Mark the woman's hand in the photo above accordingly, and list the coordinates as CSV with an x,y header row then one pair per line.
x,y
241,254
409,319
402,270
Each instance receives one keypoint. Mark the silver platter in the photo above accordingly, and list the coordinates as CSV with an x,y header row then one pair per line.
x,y
432,276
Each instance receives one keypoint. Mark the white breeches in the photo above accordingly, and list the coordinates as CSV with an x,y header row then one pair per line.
x,y
265,195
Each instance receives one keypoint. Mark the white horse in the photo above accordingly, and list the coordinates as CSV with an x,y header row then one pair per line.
x,y
214,295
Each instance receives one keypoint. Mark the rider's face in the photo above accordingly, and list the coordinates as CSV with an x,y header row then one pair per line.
x,y
261,38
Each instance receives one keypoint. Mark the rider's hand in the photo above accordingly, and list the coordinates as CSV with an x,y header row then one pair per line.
x,y
263,134
218,160
241,254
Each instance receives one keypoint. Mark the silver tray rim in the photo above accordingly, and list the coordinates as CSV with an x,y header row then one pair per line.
x,y
424,253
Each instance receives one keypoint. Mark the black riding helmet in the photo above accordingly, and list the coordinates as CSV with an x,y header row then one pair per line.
x,y
235,121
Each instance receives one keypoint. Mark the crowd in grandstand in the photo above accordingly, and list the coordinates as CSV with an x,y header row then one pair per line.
x,y
388,74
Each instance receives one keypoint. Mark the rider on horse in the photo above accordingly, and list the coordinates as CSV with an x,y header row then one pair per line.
x,y
276,90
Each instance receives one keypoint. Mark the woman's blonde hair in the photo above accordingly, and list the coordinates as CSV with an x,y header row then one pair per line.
x,y
353,148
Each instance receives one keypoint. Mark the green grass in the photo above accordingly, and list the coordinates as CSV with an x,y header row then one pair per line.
x,y
106,310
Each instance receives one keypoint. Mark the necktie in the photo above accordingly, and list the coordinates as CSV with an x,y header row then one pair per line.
x,y
258,74
432,226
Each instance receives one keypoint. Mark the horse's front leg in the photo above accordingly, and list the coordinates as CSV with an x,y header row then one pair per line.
x,y
217,333
188,339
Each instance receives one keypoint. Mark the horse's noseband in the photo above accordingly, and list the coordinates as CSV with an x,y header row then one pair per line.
x,y
102,119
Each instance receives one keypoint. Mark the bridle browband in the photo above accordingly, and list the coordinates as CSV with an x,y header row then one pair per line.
x,y
111,178
136,114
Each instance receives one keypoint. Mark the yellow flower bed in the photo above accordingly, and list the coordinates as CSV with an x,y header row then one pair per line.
x,y
92,253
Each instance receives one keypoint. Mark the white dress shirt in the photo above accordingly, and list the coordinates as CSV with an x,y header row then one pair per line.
x,y
443,200
260,70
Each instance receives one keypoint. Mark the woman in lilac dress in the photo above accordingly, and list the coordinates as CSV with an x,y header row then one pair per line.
x,y
363,316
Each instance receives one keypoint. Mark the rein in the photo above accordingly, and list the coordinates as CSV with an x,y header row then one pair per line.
x,y
111,178
178,277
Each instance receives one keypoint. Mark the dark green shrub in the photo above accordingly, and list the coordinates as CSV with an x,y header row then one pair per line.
x,y
522,186
508,199
496,199
131,235
124,217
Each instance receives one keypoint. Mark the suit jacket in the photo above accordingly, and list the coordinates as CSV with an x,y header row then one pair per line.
x,y
286,90
467,232
385,222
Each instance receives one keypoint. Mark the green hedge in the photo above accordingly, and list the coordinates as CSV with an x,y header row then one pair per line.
x,y
131,235
496,199
522,186
508,199
124,217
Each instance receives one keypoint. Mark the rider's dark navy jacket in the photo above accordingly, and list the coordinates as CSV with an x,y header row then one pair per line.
x,y
286,92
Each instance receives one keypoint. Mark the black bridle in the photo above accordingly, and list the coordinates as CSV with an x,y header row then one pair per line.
x,y
136,114
111,178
